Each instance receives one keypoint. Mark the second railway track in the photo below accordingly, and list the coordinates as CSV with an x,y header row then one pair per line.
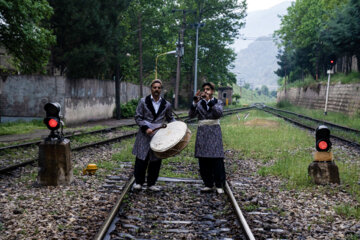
x,y
6,167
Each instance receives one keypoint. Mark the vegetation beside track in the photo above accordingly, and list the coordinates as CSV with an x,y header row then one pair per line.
x,y
21,127
353,77
334,117
286,151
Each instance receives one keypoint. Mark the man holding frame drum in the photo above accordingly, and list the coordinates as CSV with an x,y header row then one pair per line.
x,y
209,146
150,114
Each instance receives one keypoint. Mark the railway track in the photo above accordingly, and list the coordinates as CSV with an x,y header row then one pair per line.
x,y
179,211
312,125
11,167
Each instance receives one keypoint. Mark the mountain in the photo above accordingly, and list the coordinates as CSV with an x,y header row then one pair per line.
x,y
256,58
261,23
256,64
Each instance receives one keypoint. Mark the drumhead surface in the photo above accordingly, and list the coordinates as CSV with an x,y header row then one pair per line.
x,y
166,138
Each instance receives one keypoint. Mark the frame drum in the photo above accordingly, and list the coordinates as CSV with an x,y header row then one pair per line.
x,y
169,141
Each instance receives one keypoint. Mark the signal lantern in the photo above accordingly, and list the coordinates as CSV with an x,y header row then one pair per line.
x,y
322,135
52,120
332,61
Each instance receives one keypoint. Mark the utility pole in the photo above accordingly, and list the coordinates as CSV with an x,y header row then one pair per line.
x,y
197,25
180,53
140,57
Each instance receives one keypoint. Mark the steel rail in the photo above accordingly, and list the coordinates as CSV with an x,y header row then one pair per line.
x,y
104,228
115,139
248,233
104,130
316,120
355,144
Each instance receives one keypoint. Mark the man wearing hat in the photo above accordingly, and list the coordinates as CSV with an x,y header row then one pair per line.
x,y
209,145
151,112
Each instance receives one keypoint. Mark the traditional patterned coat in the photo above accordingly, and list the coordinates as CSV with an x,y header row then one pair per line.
x,y
146,117
208,138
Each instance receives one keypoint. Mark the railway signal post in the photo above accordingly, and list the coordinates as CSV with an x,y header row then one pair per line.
x,y
55,166
331,64
323,169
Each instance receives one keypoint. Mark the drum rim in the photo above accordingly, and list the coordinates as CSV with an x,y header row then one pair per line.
x,y
172,145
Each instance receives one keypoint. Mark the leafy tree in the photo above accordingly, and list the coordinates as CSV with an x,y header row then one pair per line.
x,y
236,96
273,93
24,33
264,90
90,35
343,30
304,50
223,21
247,86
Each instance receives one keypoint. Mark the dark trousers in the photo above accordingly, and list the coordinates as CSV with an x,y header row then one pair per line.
x,y
153,169
212,170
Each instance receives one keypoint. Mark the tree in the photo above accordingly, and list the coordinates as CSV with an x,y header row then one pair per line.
x,y
236,96
343,31
301,38
24,34
264,90
90,36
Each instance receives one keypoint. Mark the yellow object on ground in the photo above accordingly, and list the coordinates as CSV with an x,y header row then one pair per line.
x,y
90,169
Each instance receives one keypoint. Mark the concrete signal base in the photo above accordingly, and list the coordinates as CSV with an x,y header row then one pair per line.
x,y
323,170
55,166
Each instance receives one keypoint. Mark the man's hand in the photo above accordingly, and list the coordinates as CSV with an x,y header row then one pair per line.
x,y
149,131
197,96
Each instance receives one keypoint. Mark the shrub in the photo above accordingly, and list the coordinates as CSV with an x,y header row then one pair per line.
x,y
128,109
283,104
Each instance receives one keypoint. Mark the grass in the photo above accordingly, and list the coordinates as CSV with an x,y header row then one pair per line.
x,y
348,211
21,127
334,117
85,139
342,78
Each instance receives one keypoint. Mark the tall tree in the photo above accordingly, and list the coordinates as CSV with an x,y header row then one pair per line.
x,y
223,21
343,30
24,34
89,36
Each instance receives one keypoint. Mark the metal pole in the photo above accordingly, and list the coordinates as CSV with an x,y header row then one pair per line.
x,y
177,83
327,93
156,60
196,57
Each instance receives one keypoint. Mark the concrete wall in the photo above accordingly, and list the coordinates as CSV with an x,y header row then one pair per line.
x,y
82,100
25,96
342,97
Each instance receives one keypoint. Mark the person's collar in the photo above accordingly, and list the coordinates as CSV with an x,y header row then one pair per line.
x,y
209,100
152,98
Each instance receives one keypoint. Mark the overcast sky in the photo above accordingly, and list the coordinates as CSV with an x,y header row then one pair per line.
x,y
255,5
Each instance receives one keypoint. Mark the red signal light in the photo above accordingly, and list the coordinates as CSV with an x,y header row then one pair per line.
x,y
53,123
332,61
323,145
